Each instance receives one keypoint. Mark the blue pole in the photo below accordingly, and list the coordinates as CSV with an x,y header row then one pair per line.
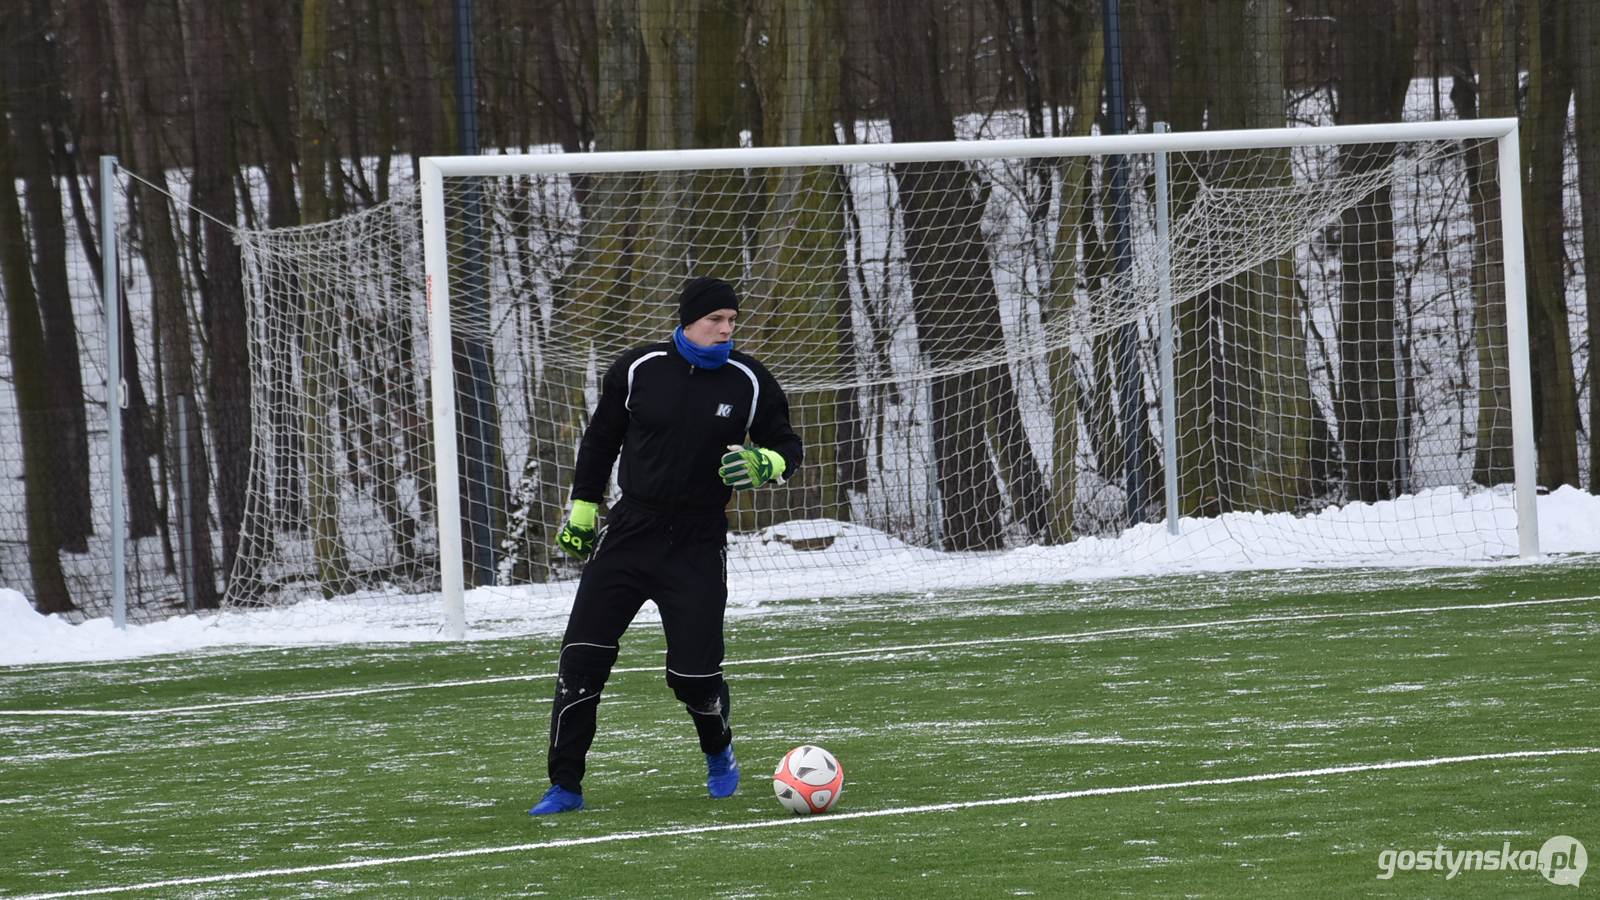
x,y
479,426
466,84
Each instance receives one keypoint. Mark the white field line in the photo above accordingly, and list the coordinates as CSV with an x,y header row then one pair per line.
x,y
818,821
798,657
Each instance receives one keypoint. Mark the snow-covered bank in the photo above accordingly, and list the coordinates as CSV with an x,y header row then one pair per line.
x,y
859,561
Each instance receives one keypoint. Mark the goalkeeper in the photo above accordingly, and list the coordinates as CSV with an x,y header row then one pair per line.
x,y
693,420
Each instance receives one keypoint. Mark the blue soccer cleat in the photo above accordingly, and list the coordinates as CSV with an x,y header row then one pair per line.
x,y
722,773
559,800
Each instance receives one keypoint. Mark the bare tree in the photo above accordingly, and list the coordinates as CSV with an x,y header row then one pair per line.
x,y
1198,353
1586,77
795,290
1484,67
1555,398
954,299
36,101
90,78
29,381
215,165
160,235
1074,220
321,340
1377,52
1243,393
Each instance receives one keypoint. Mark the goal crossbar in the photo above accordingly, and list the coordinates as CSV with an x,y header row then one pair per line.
x,y
930,151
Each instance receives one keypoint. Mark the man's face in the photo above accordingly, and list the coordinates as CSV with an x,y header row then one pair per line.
x,y
715,328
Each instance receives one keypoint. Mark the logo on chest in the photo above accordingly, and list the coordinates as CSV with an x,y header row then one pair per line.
x,y
724,410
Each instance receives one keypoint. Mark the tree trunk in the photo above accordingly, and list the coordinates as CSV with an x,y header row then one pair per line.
x,y
268,31
228,388
1487,87
1280,454
595,285
1248,333
175,345
1197,353
1377,50
95,138
439,52
606,269
668,31
1075,211
1586,74
314,132
141,439
1555,400
955,302
319,353
29,377
564,102
558,412
385,60
35,97
799,246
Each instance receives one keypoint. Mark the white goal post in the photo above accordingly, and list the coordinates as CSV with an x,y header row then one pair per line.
x,y
1042,343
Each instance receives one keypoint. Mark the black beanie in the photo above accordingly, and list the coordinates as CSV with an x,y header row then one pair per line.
x,y
704,296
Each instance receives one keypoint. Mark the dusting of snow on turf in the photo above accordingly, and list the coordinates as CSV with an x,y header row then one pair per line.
x,y
822,558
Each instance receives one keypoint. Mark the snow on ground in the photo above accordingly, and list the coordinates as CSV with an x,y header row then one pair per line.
x,y
814,559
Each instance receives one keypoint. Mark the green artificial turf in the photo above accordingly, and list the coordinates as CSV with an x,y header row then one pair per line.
x,y
406,770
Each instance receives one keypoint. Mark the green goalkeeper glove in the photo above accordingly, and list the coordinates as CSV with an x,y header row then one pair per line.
x,y
745,467
578,537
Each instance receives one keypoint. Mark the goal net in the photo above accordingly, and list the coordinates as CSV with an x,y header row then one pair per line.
x,y
1008,361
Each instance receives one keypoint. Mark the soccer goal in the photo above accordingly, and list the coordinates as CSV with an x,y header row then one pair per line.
x,y
1010,361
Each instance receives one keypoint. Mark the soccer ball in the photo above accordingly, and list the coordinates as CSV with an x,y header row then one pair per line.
x,y
808,780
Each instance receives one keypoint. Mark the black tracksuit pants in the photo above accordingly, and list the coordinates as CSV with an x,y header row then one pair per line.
x,y
680,562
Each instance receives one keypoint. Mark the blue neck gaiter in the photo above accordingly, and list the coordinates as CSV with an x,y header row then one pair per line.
x,y
704,357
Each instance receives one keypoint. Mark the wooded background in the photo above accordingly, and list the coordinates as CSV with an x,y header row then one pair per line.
x,y
314,104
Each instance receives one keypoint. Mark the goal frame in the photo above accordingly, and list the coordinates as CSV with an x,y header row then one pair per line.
x,y
433,170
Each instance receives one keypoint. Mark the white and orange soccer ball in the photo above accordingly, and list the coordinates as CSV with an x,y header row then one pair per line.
x,y
808,780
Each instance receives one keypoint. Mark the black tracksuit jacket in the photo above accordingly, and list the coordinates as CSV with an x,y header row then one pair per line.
x,y
672,422
666,541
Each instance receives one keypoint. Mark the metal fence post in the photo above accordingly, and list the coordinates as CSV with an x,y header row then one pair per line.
x,y
111,291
